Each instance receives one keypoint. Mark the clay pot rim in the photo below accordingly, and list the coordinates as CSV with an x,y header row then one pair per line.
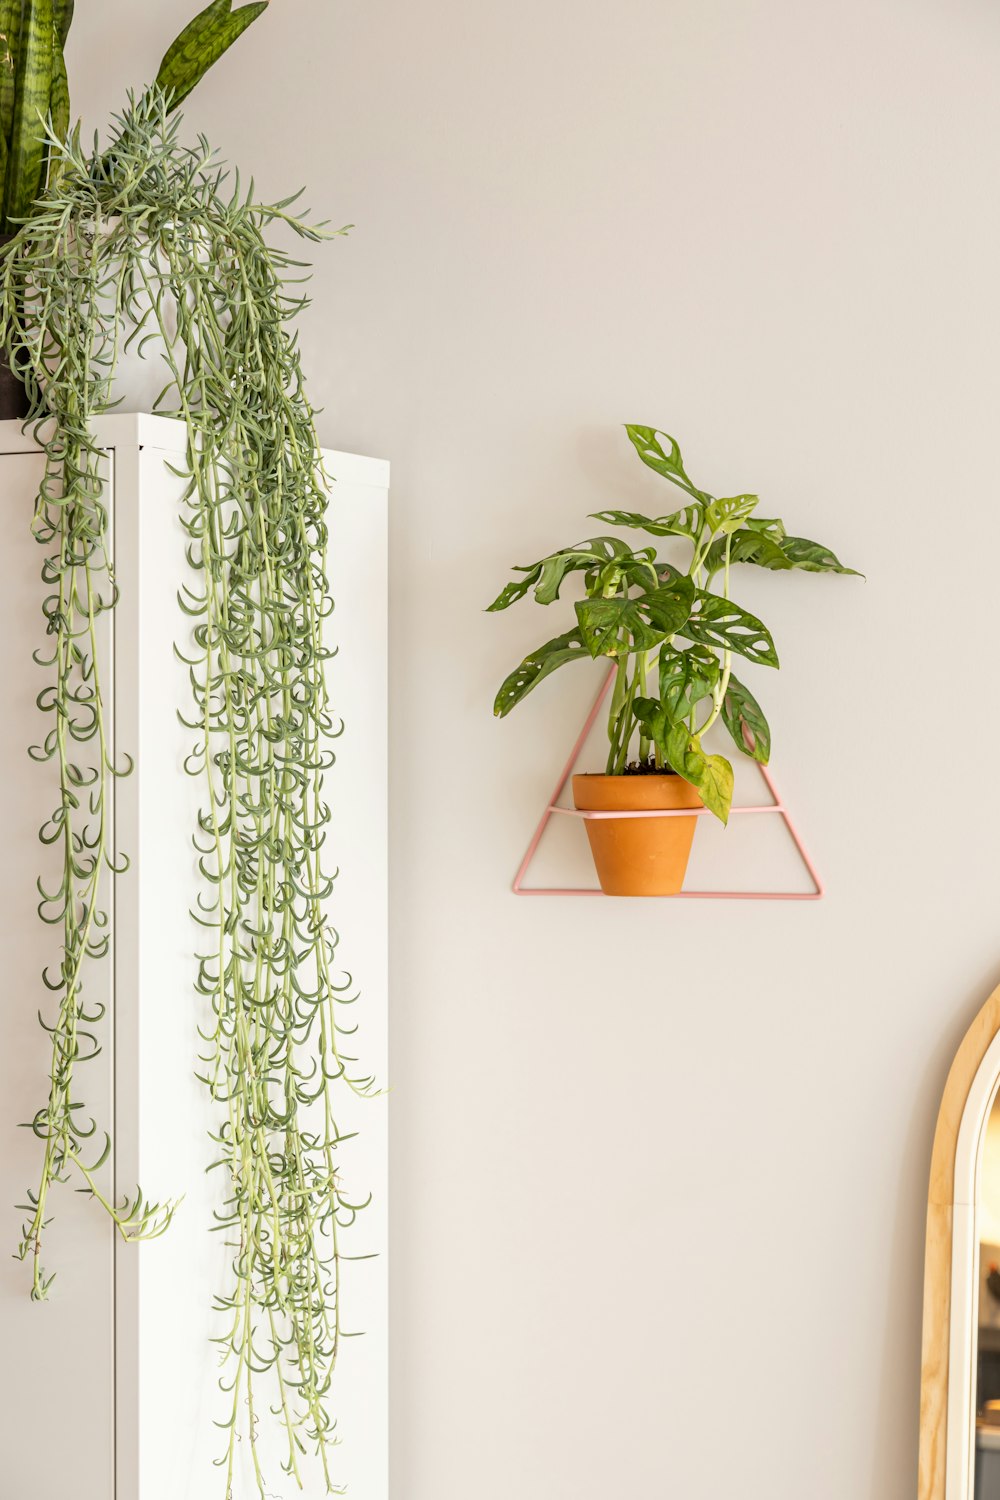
x,y
663,775
595,793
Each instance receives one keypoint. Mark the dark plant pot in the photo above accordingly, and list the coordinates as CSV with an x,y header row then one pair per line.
x,y
13,396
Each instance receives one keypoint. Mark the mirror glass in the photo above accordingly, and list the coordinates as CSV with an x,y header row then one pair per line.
x,y
987,1371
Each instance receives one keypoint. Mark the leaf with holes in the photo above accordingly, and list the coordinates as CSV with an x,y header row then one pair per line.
x,y
600,551
511,592
620,626
722,623
555,653
638,570
688,522
667,573
728,514
744,718
772,527
813,557
710,775
668,462
686,677
546,576
755,547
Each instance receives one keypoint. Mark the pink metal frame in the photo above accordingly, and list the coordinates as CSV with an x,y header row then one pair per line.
x,y
777,806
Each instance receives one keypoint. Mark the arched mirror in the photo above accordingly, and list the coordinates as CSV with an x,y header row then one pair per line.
x,y
960,1375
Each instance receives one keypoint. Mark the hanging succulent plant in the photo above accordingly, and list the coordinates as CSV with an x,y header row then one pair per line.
x,y
35,108
34,87
149,234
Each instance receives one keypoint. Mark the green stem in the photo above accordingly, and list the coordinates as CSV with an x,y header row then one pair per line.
x,y
722,686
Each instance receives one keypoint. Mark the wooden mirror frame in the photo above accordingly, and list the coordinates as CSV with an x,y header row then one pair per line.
x,y
950,1302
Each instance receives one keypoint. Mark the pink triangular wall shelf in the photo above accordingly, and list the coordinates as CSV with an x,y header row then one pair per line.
x,y
777,807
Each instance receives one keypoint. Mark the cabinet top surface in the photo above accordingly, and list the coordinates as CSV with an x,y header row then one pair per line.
x,y
143,430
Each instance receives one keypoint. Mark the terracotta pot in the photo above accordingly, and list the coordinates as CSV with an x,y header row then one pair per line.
x,y
638,856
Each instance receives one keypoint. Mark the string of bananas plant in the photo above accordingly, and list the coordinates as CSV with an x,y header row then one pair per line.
x,y
34,86
152,236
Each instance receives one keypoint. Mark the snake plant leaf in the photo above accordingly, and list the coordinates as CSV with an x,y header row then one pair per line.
x,y
546,576
59,104
813,557
28,145
620,626
10,33
724,624
744,718
728,514
687,522
62,20
757,547
686,677
665,461
59,97
202,42
537,665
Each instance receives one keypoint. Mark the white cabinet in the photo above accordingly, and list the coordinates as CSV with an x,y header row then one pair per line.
x,y
109,1390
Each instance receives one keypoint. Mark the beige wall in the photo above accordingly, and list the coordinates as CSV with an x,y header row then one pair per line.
x,y
660,1169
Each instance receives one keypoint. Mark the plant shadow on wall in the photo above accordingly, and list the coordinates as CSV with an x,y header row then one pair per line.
x,y
672,633
147,240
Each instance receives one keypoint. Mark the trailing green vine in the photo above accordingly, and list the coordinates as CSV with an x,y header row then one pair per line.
x,y
34,86
149,237
71,520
